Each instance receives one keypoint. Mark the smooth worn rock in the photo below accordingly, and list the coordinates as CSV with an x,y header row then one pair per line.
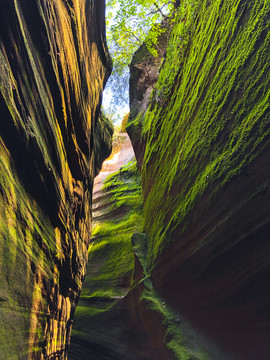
x,y
205,175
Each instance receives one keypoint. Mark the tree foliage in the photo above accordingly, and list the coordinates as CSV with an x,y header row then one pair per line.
x,y
129,24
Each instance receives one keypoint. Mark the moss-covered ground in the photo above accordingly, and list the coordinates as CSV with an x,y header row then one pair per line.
x,y
111,258
112,239
100,318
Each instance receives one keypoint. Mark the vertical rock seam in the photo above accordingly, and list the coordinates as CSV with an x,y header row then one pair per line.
x,y
53,66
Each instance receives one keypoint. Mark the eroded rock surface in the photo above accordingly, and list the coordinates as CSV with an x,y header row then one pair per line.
x,y
53,65
118,304
102,320
205,174
144,72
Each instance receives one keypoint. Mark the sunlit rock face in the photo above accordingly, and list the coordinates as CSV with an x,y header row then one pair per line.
x,y
205,174
53,65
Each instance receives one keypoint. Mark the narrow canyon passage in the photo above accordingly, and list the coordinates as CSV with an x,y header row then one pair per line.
x,y
169,258
108,324
101,328
198,268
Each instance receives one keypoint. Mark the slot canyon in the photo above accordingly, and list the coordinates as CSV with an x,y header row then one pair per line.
x,y
148,240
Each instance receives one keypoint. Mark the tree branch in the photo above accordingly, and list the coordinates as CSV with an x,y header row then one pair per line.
x,y
159,10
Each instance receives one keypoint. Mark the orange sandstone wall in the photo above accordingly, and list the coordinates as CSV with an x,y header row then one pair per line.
x,y
53,66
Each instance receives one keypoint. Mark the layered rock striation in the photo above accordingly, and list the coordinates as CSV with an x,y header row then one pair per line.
x,y
118,303
53,65
102,319
204,154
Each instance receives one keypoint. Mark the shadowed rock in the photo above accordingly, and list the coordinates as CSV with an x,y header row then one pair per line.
x,y
205,174
53,66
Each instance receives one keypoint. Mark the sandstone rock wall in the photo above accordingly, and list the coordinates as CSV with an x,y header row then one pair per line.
x,y
205,174
53,65
111,309
144,73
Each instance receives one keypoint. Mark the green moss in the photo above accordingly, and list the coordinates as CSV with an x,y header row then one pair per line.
x,y
209,113
112,239
111,261
111,256
175,338
173,333
84,312
51,78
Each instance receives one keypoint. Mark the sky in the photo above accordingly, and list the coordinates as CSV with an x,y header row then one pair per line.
x,y
116,113
127,26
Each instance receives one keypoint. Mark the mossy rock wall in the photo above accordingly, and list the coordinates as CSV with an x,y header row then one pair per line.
x,y
102,319
53,65
205,173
